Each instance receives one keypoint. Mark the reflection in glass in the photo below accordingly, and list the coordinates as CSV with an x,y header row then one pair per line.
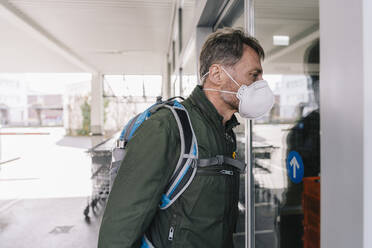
x,y
289,34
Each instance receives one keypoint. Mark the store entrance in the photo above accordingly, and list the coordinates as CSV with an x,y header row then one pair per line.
x,y
285,167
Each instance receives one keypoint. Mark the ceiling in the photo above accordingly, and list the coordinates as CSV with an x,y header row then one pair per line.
x,y
108,36
297,19
132,36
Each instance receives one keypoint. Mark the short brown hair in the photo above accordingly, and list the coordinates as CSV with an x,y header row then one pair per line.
x,y
225,46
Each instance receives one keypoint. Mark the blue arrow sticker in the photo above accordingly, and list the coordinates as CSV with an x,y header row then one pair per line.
x,y
295,167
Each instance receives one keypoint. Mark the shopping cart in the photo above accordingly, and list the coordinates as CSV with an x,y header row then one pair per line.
x,y
101,160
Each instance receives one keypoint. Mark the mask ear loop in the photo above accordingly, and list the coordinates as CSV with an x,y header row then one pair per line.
x,y
228,74
224,91
203,77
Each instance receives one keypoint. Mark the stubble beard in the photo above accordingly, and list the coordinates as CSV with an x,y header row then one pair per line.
x,y
230,99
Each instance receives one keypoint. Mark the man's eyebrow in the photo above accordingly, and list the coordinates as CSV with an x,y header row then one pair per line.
x,y
258,70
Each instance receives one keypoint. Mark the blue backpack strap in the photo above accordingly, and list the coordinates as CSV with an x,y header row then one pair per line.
x,y
187,163
134,123
146,242
186,167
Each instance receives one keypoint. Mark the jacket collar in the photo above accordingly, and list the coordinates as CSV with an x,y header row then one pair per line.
x,y
199,99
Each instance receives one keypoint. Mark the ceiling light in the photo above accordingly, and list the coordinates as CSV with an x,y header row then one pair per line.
x,y
281,40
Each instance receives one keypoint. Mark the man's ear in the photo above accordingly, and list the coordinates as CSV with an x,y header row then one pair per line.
x,y
215,74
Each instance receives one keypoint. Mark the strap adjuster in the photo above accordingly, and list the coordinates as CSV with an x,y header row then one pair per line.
x,y
220,159
120,144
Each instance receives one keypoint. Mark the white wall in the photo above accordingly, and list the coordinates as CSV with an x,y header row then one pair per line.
x,y
367,72
346,123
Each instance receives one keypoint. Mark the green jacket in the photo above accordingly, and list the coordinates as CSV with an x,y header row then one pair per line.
x,y
205,215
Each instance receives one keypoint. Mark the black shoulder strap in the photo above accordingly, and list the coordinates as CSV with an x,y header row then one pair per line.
x,y
219,160
186,167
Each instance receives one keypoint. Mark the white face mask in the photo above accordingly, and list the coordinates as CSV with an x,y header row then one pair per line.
x,y
255,100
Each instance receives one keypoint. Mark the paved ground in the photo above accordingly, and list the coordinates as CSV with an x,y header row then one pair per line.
x,y
44,192
54,222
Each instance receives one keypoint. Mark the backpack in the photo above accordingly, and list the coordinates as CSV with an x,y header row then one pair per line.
x,y
188,161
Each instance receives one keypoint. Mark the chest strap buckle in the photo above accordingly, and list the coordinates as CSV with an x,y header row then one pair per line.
x,y
219,160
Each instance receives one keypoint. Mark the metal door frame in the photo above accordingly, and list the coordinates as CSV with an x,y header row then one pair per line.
x,y
249,192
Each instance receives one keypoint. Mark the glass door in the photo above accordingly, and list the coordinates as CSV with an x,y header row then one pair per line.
x,y
285,161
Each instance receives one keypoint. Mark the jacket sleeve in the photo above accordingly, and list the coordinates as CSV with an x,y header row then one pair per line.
x,y
152,155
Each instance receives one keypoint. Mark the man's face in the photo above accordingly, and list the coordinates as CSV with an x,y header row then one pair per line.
x,y
246,71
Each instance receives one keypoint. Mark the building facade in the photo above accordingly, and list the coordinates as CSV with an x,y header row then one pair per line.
x,y
13,102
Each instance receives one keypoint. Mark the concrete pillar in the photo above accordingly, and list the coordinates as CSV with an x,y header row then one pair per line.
x,y
201,35
66,114
166,70
96,116
1,148
346,123
180,74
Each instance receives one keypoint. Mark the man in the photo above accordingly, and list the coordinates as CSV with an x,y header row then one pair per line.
x,y
206,213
